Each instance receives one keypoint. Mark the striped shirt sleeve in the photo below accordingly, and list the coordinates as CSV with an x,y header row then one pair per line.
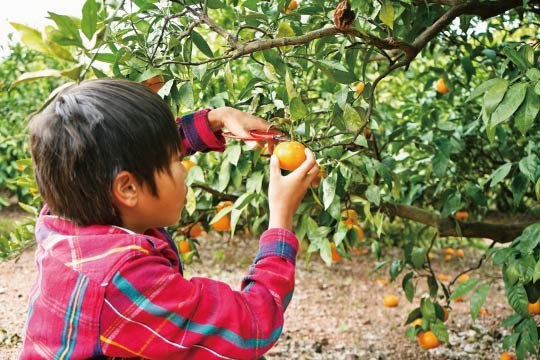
x,y
151,311
196,134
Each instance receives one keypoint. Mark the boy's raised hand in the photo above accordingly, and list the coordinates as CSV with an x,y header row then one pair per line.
x,y
285,193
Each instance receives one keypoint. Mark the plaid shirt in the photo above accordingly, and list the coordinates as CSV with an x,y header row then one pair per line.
x,y
103,291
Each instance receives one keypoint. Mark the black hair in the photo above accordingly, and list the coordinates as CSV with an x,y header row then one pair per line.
x,y
91,132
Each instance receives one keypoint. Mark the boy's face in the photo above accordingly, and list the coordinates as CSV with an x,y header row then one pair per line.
x,y
166,209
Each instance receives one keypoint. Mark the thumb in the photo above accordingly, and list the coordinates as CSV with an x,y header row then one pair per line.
x,y
275,171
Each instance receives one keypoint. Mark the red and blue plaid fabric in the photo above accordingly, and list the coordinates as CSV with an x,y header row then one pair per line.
x,y
103,291
197,135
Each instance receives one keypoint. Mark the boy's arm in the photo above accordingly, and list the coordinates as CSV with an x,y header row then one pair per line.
x,y
197,135
151,311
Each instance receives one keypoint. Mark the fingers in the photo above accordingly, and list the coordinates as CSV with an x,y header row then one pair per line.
x,y
309,165
275,171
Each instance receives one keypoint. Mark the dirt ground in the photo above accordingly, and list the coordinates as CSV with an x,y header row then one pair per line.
x,y
336,312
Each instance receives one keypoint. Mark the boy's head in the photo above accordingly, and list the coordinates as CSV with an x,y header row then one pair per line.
x,y
90,133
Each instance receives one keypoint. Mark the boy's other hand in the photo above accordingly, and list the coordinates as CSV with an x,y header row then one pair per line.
x,y
238,123
285,193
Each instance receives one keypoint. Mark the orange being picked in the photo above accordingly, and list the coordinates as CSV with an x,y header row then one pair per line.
x,y
188,164
154,83
335,255
462,215
390,300
427,340
534,308
183,246
441,87
290,154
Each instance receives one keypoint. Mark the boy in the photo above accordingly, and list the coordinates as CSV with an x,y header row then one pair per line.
x,y
107,159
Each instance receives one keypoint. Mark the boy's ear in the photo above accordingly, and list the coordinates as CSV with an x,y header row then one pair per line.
x,y
125,190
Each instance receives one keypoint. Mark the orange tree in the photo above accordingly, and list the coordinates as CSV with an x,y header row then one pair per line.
x,y
445,120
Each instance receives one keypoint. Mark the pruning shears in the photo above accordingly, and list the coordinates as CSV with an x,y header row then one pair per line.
x,y
270,135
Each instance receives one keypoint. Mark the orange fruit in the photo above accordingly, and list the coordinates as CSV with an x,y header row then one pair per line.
x,y
223,224
293,5
390,300
183,246
154,83
290,154
349,218
462,215
360,87
534,308
447,257
428,340
507,356
335,255
443,277
382,282
483,311
223,204
417,322
463,278
188,164
441,87
430,255
195,230
460,253
459,299
367,133
449,251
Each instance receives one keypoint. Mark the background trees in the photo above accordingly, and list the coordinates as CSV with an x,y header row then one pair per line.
x,y
401,149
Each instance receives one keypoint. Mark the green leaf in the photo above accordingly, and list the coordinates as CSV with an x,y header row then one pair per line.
x,y
395,269
387,13
326,252
510,103
511,320
519,186
329,189
428,310
298,109
408,286
536,274
418,258
529,167
482,88
516,58
440,331
493,96
529,239
185,94
440,163
67,28
31,76
517,298
353,119
478,299
289,85
89,18
533,74
31,37
373,194
191,201
201,44
285,30
528,111
464,288
500,173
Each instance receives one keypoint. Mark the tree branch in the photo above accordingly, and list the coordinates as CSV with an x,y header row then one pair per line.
x,y
500,233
